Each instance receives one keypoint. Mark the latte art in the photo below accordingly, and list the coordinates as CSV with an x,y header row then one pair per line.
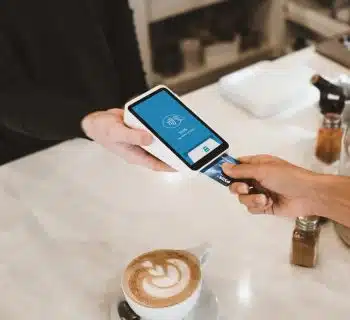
x,y
166,281
162,278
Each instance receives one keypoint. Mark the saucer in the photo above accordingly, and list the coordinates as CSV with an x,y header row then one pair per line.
x,y
207,307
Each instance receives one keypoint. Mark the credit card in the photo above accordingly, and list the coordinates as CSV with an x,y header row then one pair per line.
x,y
215,172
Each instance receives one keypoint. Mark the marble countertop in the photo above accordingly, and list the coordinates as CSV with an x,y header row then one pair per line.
x,y
73,215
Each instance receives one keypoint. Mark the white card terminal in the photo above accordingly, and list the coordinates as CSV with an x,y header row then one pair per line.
x,y
181,139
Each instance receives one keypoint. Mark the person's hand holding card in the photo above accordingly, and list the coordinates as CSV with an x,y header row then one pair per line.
x,y
288,186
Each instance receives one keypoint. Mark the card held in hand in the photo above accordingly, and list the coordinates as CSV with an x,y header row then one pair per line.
x,y
215,172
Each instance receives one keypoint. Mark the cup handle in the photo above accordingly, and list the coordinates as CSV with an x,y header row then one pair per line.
x,y
202,252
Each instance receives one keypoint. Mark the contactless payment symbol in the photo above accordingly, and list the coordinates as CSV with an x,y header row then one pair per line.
x,y
172,121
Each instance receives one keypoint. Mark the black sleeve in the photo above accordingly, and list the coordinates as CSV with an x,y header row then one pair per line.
x,y
37,113
32,110
45,112
135,84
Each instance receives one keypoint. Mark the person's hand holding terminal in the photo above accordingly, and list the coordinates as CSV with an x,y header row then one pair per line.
x,y
108,129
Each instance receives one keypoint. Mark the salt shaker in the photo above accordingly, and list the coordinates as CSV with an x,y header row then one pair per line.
x,y
305,242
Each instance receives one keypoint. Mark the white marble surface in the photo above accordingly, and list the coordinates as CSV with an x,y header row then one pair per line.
x,y
72,216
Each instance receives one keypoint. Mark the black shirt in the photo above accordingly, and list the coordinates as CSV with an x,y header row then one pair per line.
x,y
62,59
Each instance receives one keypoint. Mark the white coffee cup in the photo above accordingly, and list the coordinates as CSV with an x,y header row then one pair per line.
x,y
178,311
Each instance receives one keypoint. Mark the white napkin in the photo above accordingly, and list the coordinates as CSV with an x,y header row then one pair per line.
x,y
265,89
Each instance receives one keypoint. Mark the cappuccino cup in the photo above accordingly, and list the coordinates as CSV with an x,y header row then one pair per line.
x,y
165,284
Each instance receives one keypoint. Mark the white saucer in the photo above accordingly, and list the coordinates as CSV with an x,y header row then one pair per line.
x,y
206,309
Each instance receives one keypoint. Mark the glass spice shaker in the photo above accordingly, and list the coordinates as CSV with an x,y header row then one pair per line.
x,y
305,242
329,139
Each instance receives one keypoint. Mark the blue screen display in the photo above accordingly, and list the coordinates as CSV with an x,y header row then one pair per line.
x,y
177,126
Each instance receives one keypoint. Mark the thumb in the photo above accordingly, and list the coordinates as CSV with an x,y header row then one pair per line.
x,y
244,171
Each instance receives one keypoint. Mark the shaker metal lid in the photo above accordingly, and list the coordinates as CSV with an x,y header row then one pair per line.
x,y
307,223
332,120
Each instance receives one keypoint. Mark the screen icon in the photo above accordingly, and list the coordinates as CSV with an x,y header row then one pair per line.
x,y
203,149
172,121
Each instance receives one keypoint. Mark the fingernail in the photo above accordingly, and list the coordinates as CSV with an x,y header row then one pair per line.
x,y
243,189
260,200
86,122
227,167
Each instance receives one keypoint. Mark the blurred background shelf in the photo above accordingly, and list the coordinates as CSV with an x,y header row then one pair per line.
x,y
163,9
285,26
214,69
315,17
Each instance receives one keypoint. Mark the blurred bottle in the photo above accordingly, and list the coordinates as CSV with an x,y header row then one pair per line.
x,y
167,58
192,53
344,170
344,82
344,166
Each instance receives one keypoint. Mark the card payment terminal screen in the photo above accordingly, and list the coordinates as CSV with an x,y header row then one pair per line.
x,y
189,137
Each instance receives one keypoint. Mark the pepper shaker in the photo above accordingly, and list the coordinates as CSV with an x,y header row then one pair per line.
x,y
305,242
329,139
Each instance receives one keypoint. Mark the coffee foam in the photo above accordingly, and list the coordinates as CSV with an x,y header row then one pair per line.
x,y
162,278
